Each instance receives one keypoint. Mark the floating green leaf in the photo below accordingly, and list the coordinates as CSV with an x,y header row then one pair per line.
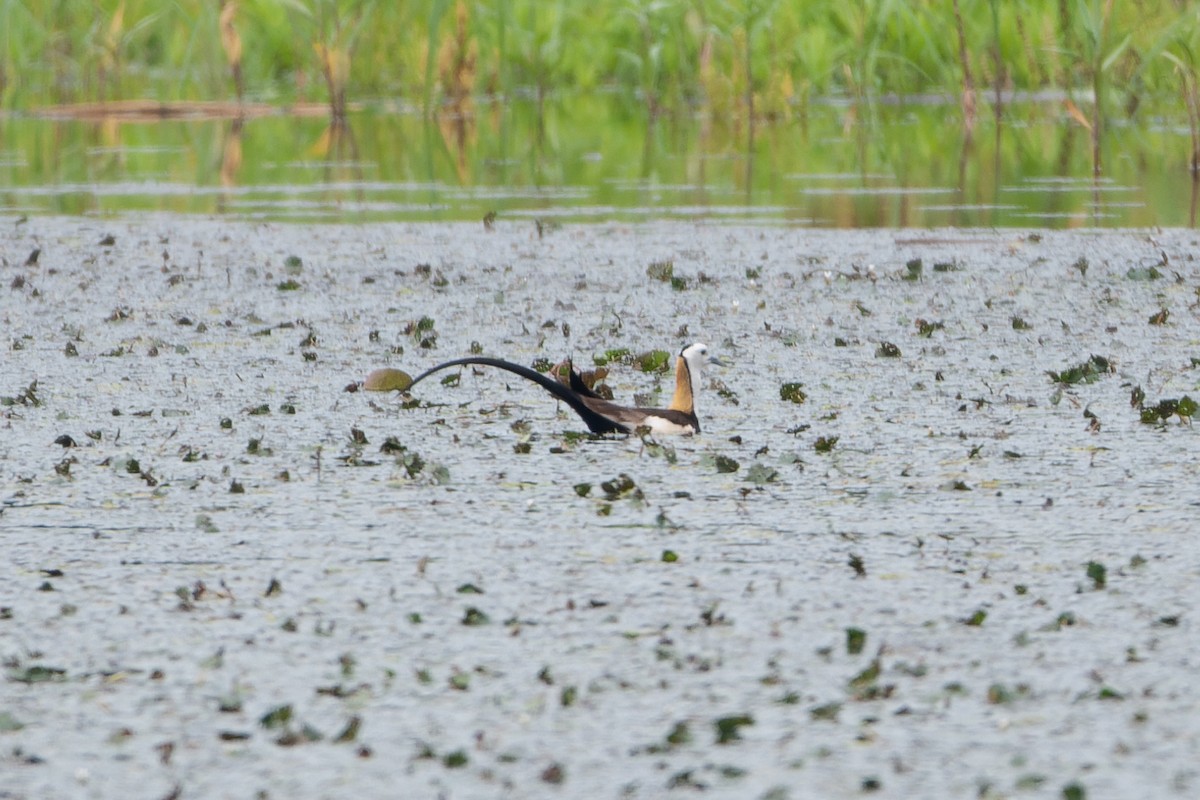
x,y
277,717
653,361
725,464
728,728
474,617
1088,371
792,393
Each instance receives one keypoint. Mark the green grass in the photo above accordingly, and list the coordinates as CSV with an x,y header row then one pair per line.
x,y
724,56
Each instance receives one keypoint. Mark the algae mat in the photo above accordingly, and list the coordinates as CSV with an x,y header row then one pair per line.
x,y
935,541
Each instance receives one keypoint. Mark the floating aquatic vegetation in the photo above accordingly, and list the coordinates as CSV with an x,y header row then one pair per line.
x,y
825,444
1098,574
1161,412
1088,371
913,269
925,328
653,361
290,285
1160,318
1141,273
729,728
760,474
661,270
887,350
621,487
617,355
474,617
725,464
1019,324
856,639
793,393
37,673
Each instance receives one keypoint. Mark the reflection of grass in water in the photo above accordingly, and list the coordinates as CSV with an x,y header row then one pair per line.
x,y
735,56
607,156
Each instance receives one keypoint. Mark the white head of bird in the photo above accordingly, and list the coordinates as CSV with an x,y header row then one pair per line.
x,y
688,371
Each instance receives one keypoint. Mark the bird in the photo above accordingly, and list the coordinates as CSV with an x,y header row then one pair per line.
x,y
604,416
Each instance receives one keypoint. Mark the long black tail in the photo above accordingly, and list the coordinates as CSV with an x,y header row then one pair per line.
x,y
596,422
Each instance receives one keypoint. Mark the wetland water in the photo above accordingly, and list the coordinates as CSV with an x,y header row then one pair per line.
x,y
218,580
591,157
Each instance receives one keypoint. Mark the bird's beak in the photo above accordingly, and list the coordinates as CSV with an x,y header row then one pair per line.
x,y
720,362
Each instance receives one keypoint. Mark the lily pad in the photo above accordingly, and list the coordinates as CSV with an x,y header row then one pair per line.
x,y
387,380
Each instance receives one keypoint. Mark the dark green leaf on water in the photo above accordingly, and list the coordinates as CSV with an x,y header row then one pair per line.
x,y
913,269
856,639
287,286
725,464
653,361
1019,324
293,262
350,732
858,565
946,266
976,619
825,444
1109,693
679,283
425,324
469,588
277,717
1160,318
1088,371
679,734
37,674
1187,407
827,712
728,728
391,445
619,487
259,411
455,759
9,723
1074,791
669,556
661,270
474,617
452,379
792,393
887,350
1137,397
274,588
568,696
583,489
867,676
1098,574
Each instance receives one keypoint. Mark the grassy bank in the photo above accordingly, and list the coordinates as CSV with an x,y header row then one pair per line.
x,y
759,58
